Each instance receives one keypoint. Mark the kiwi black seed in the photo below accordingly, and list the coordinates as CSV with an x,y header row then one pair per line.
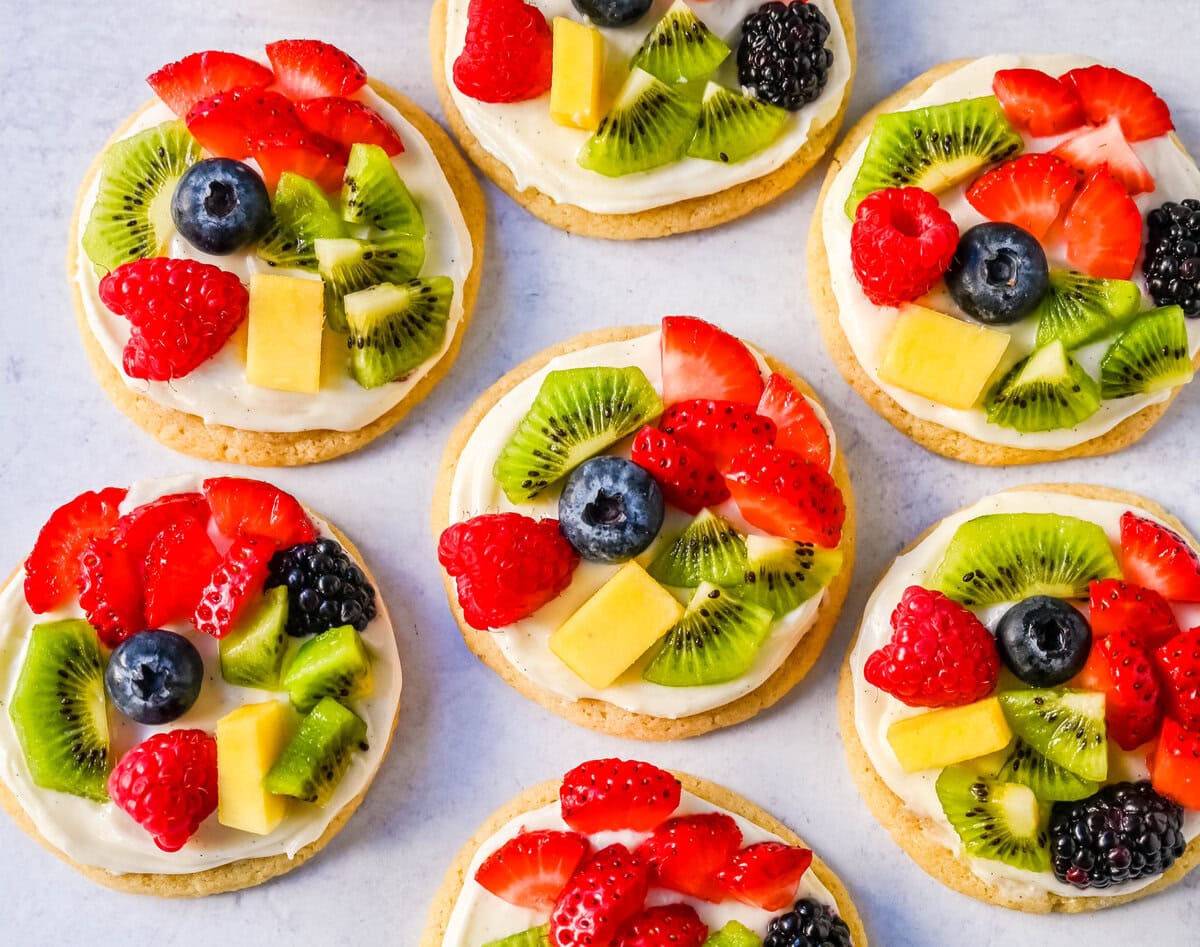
x,y
710,549
680,48
334,664
396,327
1079,309
312,765
783,574
374,193
995,820
348,265
301,214
1152,354
1047,391
733,126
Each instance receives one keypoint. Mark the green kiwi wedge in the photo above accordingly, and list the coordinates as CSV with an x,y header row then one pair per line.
x,y
1007,557
1046,391
715,641
734,126
577,413
252,653
312,765
709,550
374,194
783,574
680,48
995,820
1079,309
300,214
334,664
733,934
934,147
1065,726
534,937
348,265
131,218
395,328
1049,781
58,710
649,125
1150,355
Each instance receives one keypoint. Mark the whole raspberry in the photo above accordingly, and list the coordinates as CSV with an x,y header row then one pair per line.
x,y
168,785
940,654
507,54
506,566
900,245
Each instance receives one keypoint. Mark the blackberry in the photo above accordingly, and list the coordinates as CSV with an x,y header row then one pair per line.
x,y
326,589
782,57
1172,264
1123,832
808,924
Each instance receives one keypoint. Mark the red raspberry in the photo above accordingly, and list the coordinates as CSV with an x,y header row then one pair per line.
x,y
182,313
507,56
506,566
110,590
236,581
168,785
940,654
687,478
900,245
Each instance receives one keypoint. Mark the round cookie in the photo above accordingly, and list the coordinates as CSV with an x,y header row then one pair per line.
x,y
697,213
600,715
911,832
189,433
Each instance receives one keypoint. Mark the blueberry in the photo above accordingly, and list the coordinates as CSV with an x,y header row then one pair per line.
x,y
610,509
221,205
1043,641
613,12
998,274
154,676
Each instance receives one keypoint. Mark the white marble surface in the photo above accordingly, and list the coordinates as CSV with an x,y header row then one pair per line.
x,y
69,72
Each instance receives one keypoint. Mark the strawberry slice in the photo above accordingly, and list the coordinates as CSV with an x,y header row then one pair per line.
x,y
664,925
1037,103
612,794
687,478
1028,191
1106,146
245,507
797,426
310,69
1159,558
176,569
1123,606
304,153
1119,668
685,854
235,582
110,590
52,568
717,429
1179,668
605,891
229,123
138,528
1107,92
766,875
348,123
532,869
701,361
1175,766
779,491
183,83
1103,228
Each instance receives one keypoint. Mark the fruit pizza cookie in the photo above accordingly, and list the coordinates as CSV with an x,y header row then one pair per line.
x,y
198,681
1004,259
639,118
647,530
620,853
1021,707
273,262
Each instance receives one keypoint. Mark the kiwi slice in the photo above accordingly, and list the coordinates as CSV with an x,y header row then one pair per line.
x,y
348,265
1007,557
783,574
1151,355
395,328
715,641
680,48
577,413
534,937
709,550
934,147
995,820
1078,309
649,125
1049,781
733,934
312,765
333,664
58,710
300,214
1046,391
131,218
253,651
734,126
374,193
1065,726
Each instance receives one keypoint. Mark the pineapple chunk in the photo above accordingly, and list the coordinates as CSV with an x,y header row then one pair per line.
x,y
944,737
283,337
941,358
616,626
577,75
249,740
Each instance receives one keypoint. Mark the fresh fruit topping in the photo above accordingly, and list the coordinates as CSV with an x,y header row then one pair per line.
x,y
701,361
717,429
939,655
685,854
394,329
350,265
326,587
610,509
245,507
507,53
1049,781
1121,670
154,676
709,550
1107,92
221,205
998,273
779,491
1159,558
1029,192
175,571
532,869
168,785
1044,641
664,925
680,48
782,57
1037,103
797,426
183,83
284,333
231,124
782,574
900,245
995,820
1123,606
1172,263
613,12
1152,354
300,215
235,583
1045,391
110,590
1175,767
348,123
310,69
765,875
733,126
687,478
1179,667
249,740
312,765
138,528
951,735
1065,726
811,920
577,80
52,568
737,934
334,664
506,566
1103,228
252,653
612,795
306,154
373,193
606,890
1078,309
1105,146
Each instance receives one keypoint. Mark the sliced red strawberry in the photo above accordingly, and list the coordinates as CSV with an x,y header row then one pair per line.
x,y
1106,146
612,794
1121,670
605,891
229,123
110,590
183,83
1103,228
1175,766
1107,92
532,869
235,582
176,569
52,569
797,426
781,492
687,478
1029,191
685,853
664,925
1159,558
306,154
1037,103
766,875
245,507
717,429
311,69
1179,668
348,122
1123,606
138,528
701,361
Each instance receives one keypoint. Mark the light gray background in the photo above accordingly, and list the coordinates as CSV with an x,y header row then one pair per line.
x,y
71,71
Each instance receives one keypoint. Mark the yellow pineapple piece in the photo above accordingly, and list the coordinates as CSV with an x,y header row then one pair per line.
x,y
283,335
249,740
944,737
577,75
